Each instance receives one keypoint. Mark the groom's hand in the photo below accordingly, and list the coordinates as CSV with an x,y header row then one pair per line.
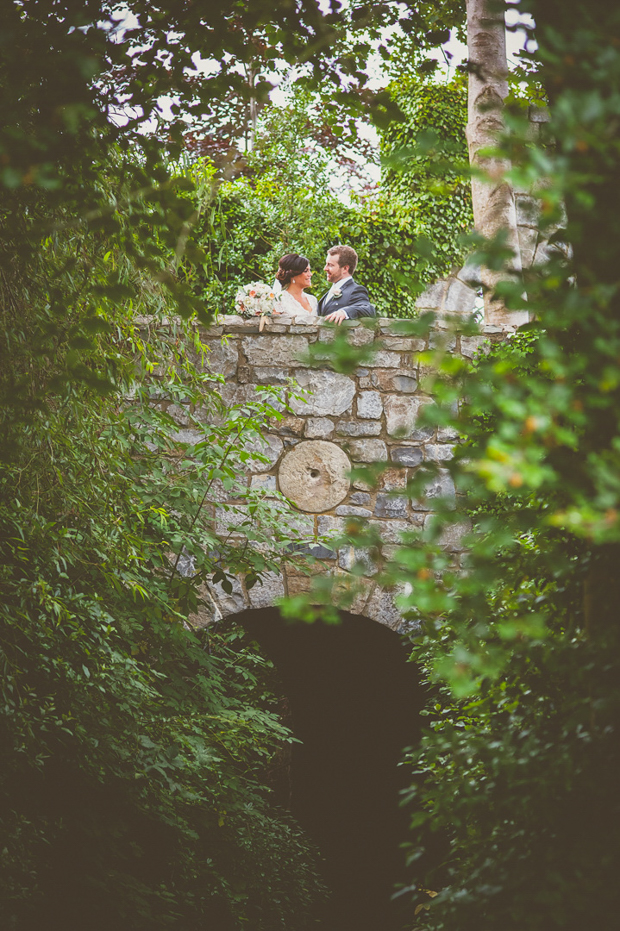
x,y
337,317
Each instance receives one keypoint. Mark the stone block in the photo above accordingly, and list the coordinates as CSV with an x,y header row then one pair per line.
x,y
298,582
307,320
219,493
227,320
179,414
318,428
359,497
354,428
190,437
289,426
470,345
368,451
394,478
438,452
269,446
270,375
528,210
228,604
451,536
403,344
543,254
300,524
269,587
264,481
528,240
432,298
408,456
232,518
369,405
331,393
388,506
352,590
407,384
318,551
352,558
441,486
207,613
385,360
361,336
390,530
380,607
471,274
274,350
328,525
402,414
210,331
442,339
241,394
309,331
447,434
349,510
459,298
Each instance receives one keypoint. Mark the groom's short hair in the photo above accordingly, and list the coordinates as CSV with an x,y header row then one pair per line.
x,y
346,256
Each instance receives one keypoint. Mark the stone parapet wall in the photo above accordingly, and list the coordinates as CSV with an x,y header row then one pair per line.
x,y
345,420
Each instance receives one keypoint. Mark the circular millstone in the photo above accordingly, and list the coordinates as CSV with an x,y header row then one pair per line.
x,y
314,475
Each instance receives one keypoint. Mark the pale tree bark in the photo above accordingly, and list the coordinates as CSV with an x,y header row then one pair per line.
x,y
493,198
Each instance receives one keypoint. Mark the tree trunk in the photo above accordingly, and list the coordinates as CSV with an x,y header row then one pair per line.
x,y
493,199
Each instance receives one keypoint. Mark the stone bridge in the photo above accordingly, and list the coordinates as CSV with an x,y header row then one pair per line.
x,y
367,417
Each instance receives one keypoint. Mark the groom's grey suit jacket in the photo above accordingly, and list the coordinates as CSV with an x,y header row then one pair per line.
x,y
354,301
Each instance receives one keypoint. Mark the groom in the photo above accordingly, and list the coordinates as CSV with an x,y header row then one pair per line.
x,y
346,299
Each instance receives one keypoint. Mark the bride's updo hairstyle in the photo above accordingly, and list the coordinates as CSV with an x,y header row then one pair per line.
x,y
290,265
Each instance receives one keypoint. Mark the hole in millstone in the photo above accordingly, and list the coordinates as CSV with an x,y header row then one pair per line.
x,y
355,703
314,473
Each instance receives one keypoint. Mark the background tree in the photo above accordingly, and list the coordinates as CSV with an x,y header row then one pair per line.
x,y
492,194
518,768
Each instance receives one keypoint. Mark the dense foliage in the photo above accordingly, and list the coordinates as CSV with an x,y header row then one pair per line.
x,y
517,772
135,749
407,231
426,185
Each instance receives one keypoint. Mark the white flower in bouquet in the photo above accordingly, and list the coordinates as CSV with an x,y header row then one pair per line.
x,y
256,300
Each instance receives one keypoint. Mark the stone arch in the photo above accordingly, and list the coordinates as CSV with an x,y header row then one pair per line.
x,y
354,703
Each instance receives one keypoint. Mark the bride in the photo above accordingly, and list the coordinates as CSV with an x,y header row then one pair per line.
x,y
293,275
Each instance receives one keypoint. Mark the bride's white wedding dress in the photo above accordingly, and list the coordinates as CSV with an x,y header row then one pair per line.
x,y
288,304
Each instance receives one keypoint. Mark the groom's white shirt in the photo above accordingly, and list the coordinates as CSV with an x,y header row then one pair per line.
x,y
337,286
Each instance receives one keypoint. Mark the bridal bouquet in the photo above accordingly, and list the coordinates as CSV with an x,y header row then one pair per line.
x,y
257,300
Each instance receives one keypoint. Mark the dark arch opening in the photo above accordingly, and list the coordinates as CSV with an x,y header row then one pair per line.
x,y
355,703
